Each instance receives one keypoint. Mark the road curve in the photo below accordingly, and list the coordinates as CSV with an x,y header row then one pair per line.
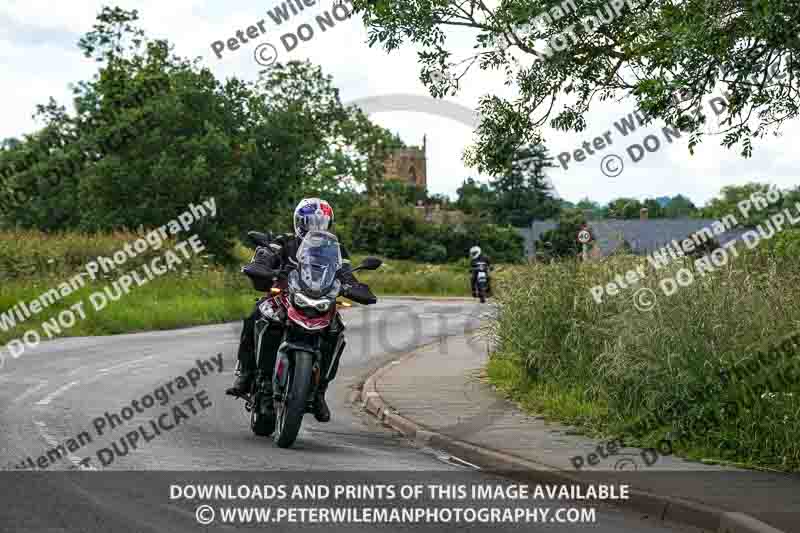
x,y
67,389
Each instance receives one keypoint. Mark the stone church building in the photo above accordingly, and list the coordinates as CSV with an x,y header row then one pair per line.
x,y
408,165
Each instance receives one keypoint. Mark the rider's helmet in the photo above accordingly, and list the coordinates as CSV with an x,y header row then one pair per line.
x,y
474,252
312,214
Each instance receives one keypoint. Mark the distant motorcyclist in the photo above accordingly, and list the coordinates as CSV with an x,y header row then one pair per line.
x,y
476,259
311,214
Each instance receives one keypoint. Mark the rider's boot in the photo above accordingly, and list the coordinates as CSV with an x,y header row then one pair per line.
x,y
243,382
245,359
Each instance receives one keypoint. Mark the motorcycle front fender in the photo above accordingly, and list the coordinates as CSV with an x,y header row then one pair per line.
x,y
283,362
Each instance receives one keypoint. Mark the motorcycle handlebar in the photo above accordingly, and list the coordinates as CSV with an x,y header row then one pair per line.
x,y
360,294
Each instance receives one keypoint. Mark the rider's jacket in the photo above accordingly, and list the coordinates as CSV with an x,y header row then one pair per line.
x,y
474,264
480,259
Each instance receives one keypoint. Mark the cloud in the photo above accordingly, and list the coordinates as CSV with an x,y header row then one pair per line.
x,y
26,35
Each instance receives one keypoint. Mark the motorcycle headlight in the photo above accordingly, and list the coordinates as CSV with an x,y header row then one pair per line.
x,y
301,300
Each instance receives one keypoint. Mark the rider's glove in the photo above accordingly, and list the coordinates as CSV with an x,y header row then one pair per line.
x,y
267,258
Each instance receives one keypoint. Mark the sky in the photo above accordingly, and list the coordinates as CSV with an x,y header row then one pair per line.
x,y
40,58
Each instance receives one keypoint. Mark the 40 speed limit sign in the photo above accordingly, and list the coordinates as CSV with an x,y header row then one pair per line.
x,y
584,236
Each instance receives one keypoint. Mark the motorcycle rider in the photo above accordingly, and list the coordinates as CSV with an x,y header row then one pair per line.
x,y
311,214
476,257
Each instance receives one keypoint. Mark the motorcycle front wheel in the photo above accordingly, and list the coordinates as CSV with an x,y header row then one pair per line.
x,y
293,407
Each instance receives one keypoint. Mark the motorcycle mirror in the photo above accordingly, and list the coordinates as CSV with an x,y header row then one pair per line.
x,y
260,239
371,263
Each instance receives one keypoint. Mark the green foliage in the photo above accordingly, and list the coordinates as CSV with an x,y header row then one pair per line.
x,y
687,369
197,292
783,247
624,208
630,208
433,253
394,191
649,52
515,196
502,244
476,199
562,241
153,132
590,208
654,209
398,232
35,254
726,203
679,206
522,192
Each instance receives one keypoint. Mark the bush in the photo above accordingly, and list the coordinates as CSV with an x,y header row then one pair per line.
x,y
666,372
433,253
398,233
562,241
784,245
30,253
501,243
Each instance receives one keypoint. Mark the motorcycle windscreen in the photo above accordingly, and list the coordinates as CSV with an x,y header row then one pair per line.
x,y
320,258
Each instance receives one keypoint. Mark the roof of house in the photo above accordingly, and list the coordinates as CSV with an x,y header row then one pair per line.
x,y
644,236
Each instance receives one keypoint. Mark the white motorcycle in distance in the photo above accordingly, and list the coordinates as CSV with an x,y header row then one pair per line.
x,y
481,279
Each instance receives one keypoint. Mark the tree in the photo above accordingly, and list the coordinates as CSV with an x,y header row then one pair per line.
x,y
624,208
522,191
585,204
153,132
9,143
679,206
590,208
401,193
654,209
730,196
476,198
562,241
648,51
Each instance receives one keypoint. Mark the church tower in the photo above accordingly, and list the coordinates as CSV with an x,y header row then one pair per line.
x,y
408,165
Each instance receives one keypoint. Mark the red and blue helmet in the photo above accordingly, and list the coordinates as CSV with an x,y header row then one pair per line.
x,y
312,214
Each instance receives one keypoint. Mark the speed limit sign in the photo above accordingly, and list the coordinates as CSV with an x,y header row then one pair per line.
x,y
584,236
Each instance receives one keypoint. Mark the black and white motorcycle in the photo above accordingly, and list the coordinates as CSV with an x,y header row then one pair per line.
x,y
481,271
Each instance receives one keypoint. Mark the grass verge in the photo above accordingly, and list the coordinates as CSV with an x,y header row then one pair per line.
x,y
196,293
697,369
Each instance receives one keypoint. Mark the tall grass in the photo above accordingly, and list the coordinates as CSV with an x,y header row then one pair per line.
x,y
662,373
396,277
198,292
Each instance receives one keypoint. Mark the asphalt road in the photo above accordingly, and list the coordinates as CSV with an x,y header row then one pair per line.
x,y
64,389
